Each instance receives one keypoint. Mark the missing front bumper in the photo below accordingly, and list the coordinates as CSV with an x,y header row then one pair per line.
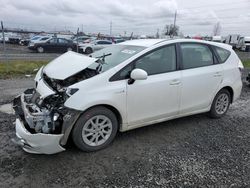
x,y
39,143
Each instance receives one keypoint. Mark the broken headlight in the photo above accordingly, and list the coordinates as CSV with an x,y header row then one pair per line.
x,y
71,91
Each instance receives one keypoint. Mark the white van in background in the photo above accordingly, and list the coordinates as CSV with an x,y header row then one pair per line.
x,y
244,44
232,40
217,39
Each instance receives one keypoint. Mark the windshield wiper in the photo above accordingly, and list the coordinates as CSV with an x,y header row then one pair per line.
x,y
101,61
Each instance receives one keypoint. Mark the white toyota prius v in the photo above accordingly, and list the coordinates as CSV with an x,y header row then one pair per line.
x,y
123,87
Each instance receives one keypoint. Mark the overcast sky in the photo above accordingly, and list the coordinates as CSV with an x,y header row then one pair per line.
x,y
140,16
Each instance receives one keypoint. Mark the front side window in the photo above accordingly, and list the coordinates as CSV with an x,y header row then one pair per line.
x,y
159,61
195,55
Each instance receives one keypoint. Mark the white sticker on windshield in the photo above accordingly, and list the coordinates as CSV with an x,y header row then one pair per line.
x,y
126,51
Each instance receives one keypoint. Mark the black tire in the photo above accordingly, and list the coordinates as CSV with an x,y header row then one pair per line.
x,y
78,128
213,112
88,50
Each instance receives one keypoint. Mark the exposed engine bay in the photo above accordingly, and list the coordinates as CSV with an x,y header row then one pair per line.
x,y
46,115
60,84
43,122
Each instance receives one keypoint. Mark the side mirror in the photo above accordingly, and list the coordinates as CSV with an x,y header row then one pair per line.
x,y
137,74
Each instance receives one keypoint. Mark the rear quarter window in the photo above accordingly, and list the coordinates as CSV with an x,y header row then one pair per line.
x,y
223,54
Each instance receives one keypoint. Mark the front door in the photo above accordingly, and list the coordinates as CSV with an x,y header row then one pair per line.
x,y
157,97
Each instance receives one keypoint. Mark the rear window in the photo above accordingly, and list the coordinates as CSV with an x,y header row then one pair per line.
x,y
222,53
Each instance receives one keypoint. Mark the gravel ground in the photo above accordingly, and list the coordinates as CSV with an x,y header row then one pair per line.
x,y
187,152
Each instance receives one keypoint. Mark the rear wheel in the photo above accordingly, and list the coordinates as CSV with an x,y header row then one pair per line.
x,y
95,129
40,49
220,104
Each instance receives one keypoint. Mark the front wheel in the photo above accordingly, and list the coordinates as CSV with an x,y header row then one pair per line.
x,y
220,104
95,129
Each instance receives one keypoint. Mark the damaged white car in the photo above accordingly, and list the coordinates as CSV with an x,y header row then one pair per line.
x,y
122,87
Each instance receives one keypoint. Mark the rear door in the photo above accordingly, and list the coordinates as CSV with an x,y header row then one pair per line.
x,y
51,45
201,77
63,45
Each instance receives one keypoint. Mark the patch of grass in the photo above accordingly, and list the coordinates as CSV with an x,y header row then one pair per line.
x,y
246,63
19,68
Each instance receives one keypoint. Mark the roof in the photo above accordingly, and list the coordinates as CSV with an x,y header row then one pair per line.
x,y
152,42
143,42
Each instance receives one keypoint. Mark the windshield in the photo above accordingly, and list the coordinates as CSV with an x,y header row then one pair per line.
x,y
118,54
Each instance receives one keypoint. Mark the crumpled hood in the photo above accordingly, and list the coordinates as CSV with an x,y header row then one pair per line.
x,y
67,65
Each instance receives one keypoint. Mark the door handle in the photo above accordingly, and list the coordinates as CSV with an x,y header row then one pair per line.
x,y
175,82
217,74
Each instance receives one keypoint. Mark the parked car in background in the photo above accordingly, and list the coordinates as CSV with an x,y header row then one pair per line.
x,y
244,44
116,41
232,40
39,38
123,87
14,39
24,42
81,39
6,39
93,46
217,39
52,45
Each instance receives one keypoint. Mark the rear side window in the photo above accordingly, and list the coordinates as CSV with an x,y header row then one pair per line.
x,y
196,55
222,53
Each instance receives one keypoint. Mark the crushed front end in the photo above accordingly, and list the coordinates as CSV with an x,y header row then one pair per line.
x,y
43,125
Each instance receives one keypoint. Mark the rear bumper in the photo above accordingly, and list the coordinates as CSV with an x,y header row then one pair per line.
x,y
39,143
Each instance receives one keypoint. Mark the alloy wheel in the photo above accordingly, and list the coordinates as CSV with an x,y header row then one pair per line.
x,y
97,130
222,103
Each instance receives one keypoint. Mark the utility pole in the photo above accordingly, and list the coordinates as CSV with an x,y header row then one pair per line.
x,y
110,29
157,34
4,50
175,14
77,43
